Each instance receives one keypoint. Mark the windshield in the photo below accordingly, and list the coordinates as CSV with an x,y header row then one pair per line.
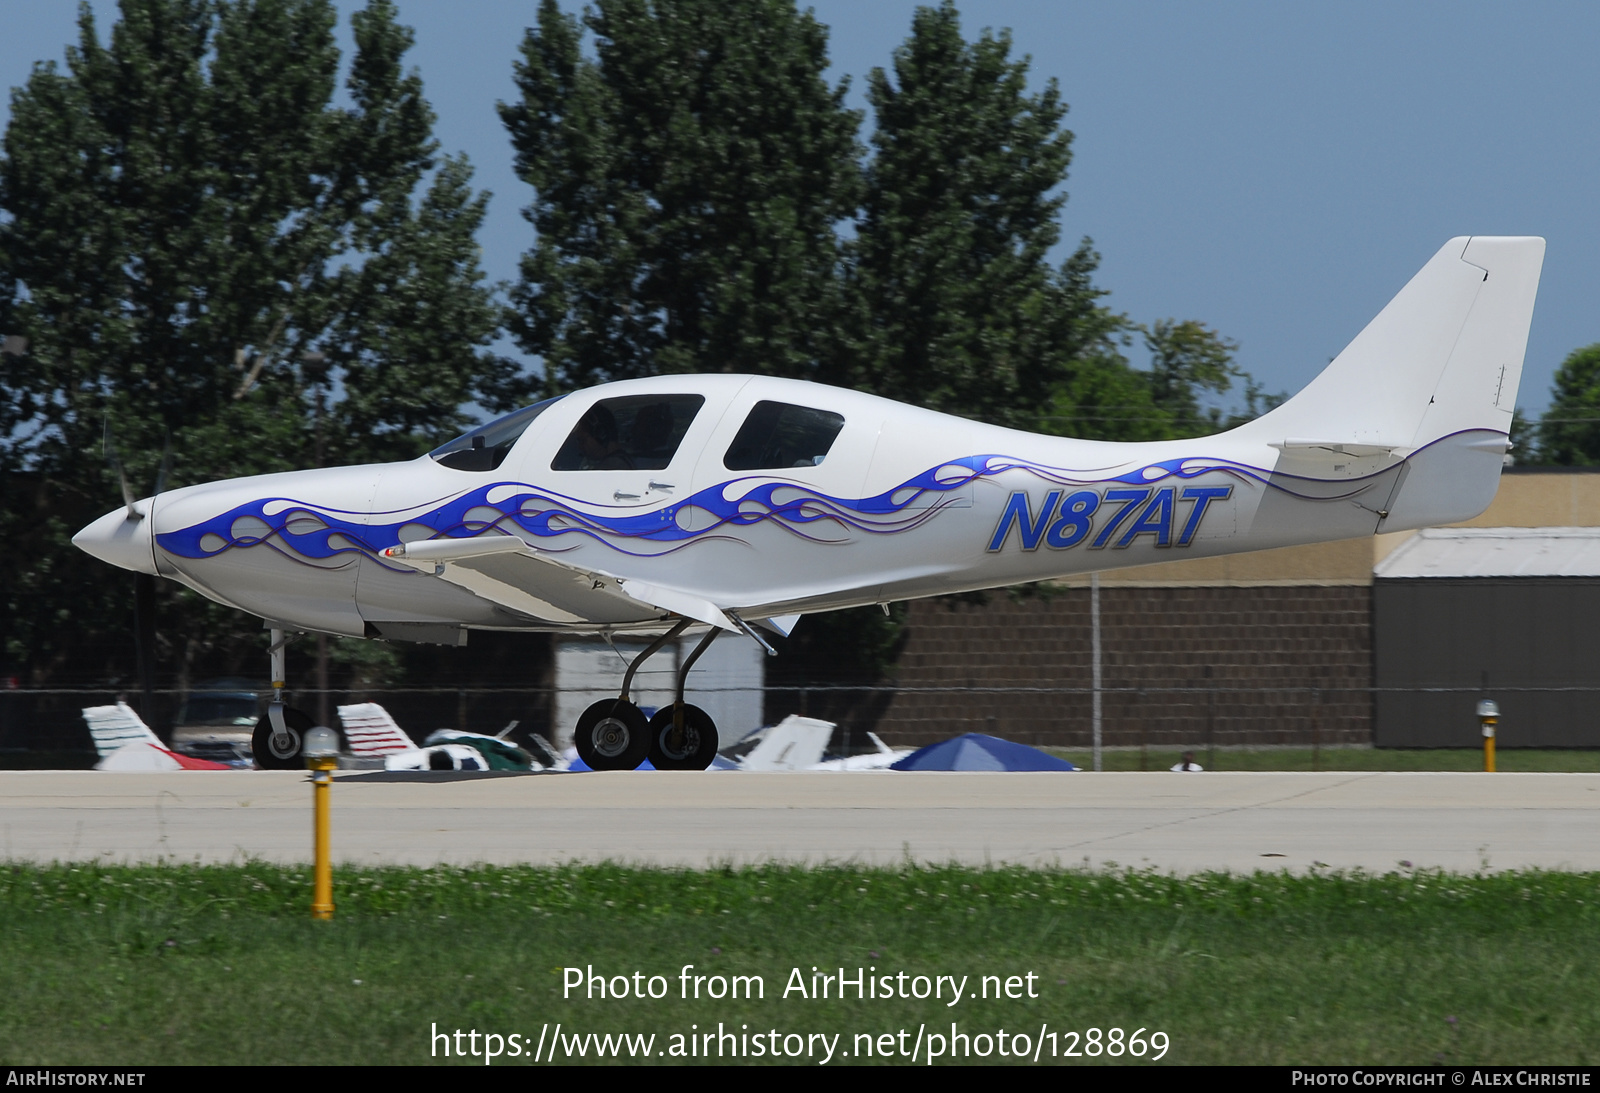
x,y
486,447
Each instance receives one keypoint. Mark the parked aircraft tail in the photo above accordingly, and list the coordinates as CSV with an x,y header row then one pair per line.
x,y
126,743
1432,380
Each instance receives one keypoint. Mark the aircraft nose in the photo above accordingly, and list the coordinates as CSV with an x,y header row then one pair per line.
x,y
123,542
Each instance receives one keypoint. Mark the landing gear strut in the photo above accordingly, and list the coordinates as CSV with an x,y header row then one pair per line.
x,y
613,734
683,737
279,737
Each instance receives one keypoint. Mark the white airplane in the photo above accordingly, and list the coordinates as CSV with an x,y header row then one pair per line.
x,y
374,734
741,503
125,743
882,758
798,743
795,743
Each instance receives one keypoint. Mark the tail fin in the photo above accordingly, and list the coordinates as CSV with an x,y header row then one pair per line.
x,y
1440,363
372,732
114,727
1445,356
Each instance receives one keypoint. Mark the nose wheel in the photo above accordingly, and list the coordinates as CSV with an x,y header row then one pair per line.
x,y
689,745
273,750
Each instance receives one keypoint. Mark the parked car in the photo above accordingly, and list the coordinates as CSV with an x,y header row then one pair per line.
x,y
216,719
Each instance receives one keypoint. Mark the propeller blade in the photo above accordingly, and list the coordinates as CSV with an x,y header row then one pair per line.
x,y
122,475
166,465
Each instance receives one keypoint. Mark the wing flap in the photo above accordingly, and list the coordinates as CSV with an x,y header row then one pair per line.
x,y
473,564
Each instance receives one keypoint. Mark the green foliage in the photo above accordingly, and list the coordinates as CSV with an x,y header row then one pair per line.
x,y
199,248
1185,359
963,313
1569,434
1524,439
688,181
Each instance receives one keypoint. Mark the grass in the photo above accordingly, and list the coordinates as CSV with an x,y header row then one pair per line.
x,y
181,964
1564,760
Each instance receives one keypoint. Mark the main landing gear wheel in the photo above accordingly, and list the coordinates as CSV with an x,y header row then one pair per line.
x,y
693,748
274,752
612,735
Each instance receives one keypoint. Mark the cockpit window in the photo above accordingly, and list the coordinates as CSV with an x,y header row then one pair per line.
x,y
486,447
635,433
777,434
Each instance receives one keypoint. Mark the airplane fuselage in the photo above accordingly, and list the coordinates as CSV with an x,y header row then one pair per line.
x,y
736,499
904,503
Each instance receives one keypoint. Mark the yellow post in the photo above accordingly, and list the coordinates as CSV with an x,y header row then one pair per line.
x,y
1488,718
321,749
322,842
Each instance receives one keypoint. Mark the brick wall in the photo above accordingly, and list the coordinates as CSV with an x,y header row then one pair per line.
x,y
1183,667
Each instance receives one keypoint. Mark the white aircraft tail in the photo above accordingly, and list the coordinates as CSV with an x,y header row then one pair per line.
x,y
115,727
794,743
1433,380
372,732
126,743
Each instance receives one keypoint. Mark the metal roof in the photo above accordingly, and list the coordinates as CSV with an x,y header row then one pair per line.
x,y
1495,552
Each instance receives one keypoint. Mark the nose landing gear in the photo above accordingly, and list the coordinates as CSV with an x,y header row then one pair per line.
x,y
613,734
279,737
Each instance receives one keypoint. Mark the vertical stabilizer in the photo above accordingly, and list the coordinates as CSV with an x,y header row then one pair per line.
x,y
1444,356
1426,392
1478,389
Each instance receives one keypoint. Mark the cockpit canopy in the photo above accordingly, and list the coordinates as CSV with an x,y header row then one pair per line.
x,y
486,447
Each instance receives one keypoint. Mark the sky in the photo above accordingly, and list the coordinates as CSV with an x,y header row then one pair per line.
x,y
1276,171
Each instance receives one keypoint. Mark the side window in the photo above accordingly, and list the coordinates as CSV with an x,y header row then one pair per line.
x,y
778,435
635,433
486,447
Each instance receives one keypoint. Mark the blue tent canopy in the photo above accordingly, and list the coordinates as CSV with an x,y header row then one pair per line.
x,y
975,751
717,763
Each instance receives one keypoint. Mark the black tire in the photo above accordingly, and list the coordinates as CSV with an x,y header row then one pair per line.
x,y
697,748
612,735
267,757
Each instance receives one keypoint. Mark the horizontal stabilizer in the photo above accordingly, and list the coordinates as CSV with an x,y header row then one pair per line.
x,y
1339,447
143,756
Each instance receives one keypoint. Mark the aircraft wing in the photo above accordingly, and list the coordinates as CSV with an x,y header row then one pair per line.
x,y
506,570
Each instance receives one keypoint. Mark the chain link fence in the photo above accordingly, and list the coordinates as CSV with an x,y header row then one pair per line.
x,y
49,720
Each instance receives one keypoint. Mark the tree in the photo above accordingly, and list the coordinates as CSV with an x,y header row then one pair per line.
x,y
198,247
688,181
1569,434
1525,448
963,312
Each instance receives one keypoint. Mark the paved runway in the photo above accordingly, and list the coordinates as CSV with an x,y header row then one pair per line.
x,y
1171,822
